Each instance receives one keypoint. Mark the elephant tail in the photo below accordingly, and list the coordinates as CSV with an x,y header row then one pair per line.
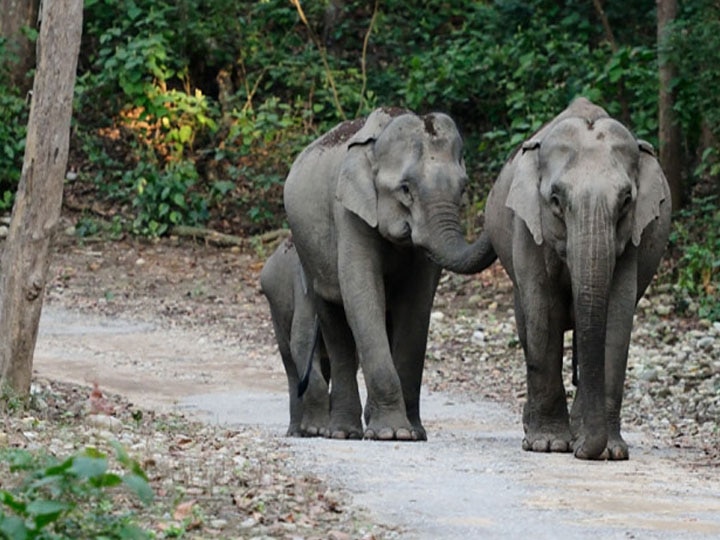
x,y
305,381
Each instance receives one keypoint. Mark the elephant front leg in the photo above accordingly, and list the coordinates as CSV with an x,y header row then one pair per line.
x,y
545,415
409,319
363,292
621,310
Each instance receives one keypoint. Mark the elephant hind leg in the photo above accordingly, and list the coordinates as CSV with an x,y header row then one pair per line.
x,y
345,407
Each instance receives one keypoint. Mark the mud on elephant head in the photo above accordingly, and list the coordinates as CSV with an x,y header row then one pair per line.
x,y
405,176
579,217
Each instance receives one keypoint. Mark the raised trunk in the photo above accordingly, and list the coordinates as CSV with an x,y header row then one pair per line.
x,y
446,245
591,258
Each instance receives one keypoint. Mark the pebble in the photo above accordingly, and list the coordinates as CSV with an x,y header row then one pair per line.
x,y
705,343
649,375
104,421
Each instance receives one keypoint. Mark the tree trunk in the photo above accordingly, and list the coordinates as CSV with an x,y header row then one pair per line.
x,y
669,128
17,14
25,260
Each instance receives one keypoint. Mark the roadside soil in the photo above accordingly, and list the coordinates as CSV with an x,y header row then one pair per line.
x,y
201,336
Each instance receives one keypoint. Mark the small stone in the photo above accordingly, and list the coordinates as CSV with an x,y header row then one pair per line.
x,y
437,316
663,310
140,262
104,421
218,523
476,300
478,336
649,375
705,343
3,231
248,523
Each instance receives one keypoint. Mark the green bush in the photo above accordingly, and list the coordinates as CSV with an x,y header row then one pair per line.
x,y
165,198
70,499
697,237
13,128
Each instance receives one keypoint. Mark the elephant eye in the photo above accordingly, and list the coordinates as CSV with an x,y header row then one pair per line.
x,y
404,194
556,205
627,200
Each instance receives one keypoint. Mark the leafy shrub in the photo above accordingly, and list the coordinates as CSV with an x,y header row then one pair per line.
x,y
13,128
74,498
697,236
165,198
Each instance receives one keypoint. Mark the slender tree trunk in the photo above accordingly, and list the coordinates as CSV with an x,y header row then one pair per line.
x,y
669,128
25,259
14,15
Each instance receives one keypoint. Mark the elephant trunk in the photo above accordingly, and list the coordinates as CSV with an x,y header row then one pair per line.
x,y
446,244
591,259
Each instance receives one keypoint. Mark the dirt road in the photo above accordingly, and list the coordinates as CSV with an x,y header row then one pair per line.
x,y
470,480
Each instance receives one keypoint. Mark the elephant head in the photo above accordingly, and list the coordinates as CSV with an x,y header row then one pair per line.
x,y
587,189
405,176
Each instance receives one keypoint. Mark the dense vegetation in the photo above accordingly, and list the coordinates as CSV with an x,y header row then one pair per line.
x,y
190,112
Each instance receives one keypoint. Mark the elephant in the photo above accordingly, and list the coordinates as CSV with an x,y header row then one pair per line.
x,y
579,217
373,206
306,364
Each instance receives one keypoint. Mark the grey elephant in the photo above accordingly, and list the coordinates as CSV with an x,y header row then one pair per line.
x,y
373,206
579,217
301,348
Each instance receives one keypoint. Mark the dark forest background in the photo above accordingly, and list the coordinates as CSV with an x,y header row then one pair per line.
x,y
191,112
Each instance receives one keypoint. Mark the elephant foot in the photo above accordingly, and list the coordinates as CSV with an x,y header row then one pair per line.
x,y
591,447
314,431
315,425
342,434
389,434
344,429
294,431
393,427
617,449
558,440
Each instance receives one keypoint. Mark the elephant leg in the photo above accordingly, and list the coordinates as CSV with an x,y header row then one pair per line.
x,y
545,415
345,406
361,267
410,307
293,379
621,310
315,400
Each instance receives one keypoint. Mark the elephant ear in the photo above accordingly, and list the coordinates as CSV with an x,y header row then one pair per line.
x,y
524,194
653,190
356,181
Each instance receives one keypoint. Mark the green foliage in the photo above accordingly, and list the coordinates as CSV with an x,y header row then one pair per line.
x,y
697,236
13,127
74,498
692,45
192,112
165,198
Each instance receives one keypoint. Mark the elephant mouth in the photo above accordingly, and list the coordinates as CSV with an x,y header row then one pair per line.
x,y
404,235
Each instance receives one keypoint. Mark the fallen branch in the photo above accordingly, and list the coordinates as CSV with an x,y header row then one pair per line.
x,y
229,240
